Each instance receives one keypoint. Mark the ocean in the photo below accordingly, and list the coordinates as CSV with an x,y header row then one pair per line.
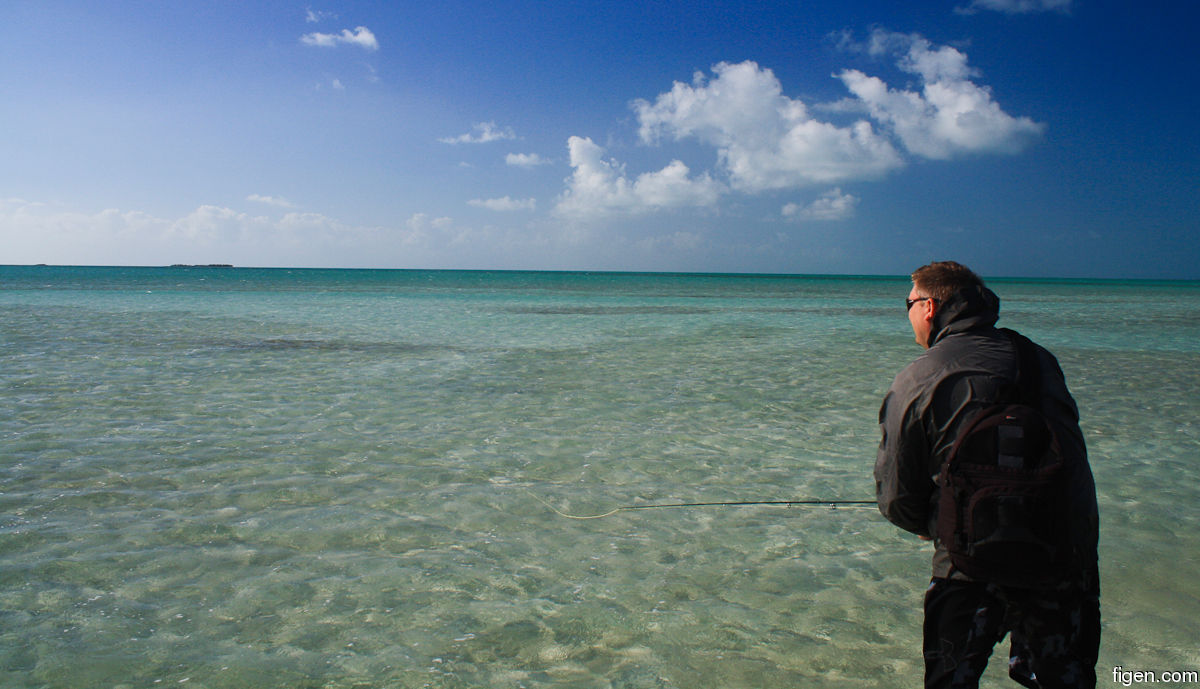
x,y
250,478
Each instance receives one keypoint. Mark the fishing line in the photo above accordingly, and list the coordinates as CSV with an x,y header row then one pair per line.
x,y
832,504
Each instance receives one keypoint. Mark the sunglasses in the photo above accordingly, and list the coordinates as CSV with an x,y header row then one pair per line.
x,y
908,303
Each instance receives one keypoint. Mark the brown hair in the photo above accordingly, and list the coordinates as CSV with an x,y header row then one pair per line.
x,y
941,279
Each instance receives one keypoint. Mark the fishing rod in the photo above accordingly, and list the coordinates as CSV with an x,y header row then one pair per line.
x,y
832,504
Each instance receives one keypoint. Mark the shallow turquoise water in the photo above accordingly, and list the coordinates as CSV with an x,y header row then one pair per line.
x,y
273,478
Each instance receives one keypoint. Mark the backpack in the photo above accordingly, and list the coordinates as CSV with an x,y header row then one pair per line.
x,y
1002,508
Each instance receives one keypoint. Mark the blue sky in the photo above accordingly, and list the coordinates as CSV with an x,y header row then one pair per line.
x,y
1022,137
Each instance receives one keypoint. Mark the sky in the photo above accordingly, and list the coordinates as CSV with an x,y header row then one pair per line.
x,y
1025,138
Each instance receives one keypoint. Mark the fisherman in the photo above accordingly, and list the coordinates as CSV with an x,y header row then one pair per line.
x,y
970,365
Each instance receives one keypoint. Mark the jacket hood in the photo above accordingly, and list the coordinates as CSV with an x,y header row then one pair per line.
x,y
968,308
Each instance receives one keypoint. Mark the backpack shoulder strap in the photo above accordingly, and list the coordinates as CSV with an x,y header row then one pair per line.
x,y
1029,369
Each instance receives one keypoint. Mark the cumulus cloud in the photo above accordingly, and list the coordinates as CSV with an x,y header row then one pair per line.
x,y
599,187
832,205
525,160
422,222
270,200
27,227
505,204
482,133
950,115
361,36
764,139
1016,6
208,225
39,233
313,16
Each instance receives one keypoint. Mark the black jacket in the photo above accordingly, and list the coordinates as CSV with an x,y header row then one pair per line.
x,y
970,365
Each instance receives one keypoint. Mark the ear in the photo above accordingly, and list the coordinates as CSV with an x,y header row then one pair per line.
x,y
930,309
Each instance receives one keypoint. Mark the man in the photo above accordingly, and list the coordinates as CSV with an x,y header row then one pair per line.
x,y
968,366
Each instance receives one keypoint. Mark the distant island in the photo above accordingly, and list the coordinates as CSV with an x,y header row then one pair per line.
x,y
201,265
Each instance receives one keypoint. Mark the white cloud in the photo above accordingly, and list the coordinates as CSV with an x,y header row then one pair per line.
x,y
525,160
313,16
505,204
33,232
483,132
270,200
361,36
765,140
214,224
42,233
599,187
421,231
1016,6
832,205
422,222
951,115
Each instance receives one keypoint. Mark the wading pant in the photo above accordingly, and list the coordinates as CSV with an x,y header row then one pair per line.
x,y
1055,633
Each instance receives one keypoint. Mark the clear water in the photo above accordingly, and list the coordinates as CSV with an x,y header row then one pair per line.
x,y
272,478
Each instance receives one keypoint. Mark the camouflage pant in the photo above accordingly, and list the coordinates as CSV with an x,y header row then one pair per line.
x,y
1055,633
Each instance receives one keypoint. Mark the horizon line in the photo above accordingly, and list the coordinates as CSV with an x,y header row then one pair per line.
x,y
587,271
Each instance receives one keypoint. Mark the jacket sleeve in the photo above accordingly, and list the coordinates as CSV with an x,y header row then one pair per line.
x,y
903,486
